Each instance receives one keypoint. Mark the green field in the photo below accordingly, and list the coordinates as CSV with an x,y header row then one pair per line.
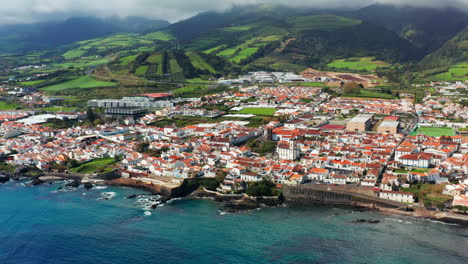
x,y
238,28
95,166
200,63
434,131
258,111
73,54
322,22
243,54
359,64
127,60
215,48
159,35
8,106
370,94
81,82
31,83
141,70
58,109
458,72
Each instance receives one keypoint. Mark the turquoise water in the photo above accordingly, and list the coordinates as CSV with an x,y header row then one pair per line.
x,y
37,226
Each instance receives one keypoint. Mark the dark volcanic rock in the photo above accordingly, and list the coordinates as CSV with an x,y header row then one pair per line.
x,y
88,185
4,178
74,183
236,206
359,221
37,181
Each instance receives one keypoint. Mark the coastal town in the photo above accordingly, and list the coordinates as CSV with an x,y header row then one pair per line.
x,y
263,127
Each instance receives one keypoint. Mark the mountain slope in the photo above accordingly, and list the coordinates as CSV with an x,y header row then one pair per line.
x,y
448,63
28,37
426,28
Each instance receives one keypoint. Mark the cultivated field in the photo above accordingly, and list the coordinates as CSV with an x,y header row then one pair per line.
x,y
359,64
81,82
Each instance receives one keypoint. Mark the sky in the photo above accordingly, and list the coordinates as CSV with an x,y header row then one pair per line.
x,y
29,11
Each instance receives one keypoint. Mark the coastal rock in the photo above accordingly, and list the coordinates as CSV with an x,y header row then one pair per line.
x,y
74,183
37,181
370,221
236,206
4,178
88,185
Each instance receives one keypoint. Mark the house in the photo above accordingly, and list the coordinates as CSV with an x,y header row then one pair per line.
x,y
421,160
250,177
403,197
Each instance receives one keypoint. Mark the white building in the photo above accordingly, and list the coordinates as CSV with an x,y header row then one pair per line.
x,y
403,197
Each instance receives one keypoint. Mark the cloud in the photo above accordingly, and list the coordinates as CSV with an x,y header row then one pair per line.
x,y
25,11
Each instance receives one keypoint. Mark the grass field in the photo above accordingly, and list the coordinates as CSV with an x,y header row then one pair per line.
x,y
258,111
81,82
141,70
434,131
215,48
58,109
458,72
95,166
8,106
363,63
73,54
322,22
370,94
238,28
244,54
430,194
159,35
200,63
127,60
31,83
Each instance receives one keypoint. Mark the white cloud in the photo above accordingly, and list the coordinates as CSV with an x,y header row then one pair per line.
x,y
24,11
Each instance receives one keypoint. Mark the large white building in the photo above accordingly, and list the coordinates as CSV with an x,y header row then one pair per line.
x,y
288,150
154,100
403,197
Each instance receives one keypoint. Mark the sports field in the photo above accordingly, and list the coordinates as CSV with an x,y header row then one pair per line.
x,y
434,131
258,111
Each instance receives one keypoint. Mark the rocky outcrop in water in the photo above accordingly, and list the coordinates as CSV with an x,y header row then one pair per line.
x,y
74,184
88,185
37,181
4,178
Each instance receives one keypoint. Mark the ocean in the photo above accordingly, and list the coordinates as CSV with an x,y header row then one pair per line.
x,y
39,225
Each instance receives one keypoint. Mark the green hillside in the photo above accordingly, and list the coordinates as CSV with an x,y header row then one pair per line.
x,y
449,63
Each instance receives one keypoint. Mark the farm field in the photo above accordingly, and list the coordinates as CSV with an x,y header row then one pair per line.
x,y
243,54
8,106
141,70
96,166
159,35
31,83
458,72
359,64
370,94
258,111
435,131
57,109
72,54
200,63
127,60
322,22
81,82
238,28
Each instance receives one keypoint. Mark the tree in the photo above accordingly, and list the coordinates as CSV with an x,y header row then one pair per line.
x,y
352,87
90,115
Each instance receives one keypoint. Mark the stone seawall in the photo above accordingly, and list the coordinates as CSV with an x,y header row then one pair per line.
x,y
323,194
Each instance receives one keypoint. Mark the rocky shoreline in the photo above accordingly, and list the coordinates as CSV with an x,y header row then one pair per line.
x,y
242,203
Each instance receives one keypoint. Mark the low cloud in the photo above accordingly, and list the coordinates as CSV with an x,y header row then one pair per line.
x,y
27,11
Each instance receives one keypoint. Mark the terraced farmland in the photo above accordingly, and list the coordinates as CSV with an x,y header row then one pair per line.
x,y
81,82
